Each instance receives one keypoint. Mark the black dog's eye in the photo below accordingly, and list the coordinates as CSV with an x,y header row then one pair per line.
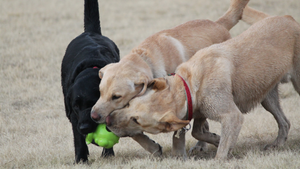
x,y
135,120
115,97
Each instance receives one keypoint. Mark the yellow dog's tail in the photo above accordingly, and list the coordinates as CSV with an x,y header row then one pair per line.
x,y
252,16
233,14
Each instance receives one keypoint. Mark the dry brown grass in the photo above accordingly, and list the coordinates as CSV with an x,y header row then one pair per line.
x,y
34,132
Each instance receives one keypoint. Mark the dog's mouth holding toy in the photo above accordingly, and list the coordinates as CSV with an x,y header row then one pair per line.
x,y
108,121
102,137
107,129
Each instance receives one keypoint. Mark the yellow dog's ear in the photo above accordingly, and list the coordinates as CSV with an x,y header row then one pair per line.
x,y
158,84
172,122
142,83
102,70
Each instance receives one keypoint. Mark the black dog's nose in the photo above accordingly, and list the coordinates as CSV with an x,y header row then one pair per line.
x,y
95,116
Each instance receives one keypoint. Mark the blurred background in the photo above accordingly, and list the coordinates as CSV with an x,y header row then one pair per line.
x,y
34,131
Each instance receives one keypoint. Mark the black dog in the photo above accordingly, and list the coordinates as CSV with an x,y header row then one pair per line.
x,y
84,56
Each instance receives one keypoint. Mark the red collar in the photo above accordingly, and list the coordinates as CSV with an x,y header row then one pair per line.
x,y
188,97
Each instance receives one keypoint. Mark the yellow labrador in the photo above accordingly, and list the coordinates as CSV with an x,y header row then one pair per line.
x,y
225,80
157,56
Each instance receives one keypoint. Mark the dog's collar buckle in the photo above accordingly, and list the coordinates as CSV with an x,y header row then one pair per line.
x,y
182,130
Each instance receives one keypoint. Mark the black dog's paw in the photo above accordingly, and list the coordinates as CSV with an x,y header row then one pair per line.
x,y
81,154
107,152
81,160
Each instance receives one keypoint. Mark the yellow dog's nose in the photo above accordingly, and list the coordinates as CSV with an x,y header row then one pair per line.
x,y
95,116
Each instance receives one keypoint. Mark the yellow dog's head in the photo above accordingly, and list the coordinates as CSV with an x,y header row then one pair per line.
x,y
154,112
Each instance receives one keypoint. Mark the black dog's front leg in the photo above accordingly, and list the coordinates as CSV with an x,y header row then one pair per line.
x,y
81,149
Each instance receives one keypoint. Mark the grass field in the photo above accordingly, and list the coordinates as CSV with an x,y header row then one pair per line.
x,y
34,131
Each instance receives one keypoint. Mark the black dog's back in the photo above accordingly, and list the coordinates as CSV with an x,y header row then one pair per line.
x,y
83,52
91,36
84,56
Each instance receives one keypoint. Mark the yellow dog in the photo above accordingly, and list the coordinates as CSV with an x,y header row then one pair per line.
x,y
225,80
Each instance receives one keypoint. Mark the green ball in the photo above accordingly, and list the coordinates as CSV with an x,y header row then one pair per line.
x,y
102,137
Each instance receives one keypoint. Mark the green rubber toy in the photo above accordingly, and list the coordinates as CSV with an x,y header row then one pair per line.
x,y
102,137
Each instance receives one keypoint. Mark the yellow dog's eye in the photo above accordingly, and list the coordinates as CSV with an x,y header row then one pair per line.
x,y
126,106
115,97
134,120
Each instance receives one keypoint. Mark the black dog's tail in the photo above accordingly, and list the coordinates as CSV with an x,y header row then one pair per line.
x,y
91,16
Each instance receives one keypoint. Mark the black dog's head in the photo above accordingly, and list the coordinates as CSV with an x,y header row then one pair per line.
x,y
82,96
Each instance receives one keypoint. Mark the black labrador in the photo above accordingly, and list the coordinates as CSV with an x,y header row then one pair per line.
x,y
84,56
